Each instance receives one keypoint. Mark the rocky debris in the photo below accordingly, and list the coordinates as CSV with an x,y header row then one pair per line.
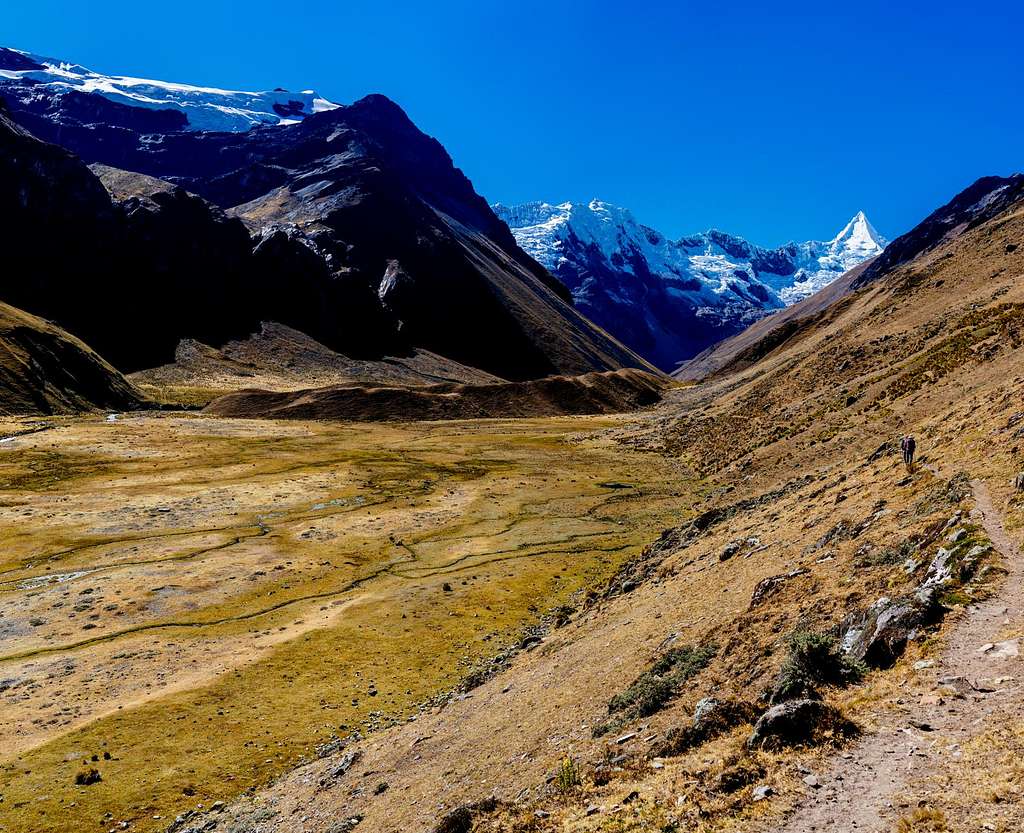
x,y
879,635
887,449
340,768
771,585
1018,482
1001,650
743,545
345,825
799,722
639,569
460,820
712,718
957,684
762,792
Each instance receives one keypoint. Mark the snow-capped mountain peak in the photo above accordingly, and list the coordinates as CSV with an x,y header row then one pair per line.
x,y
668,299
205,108
859,234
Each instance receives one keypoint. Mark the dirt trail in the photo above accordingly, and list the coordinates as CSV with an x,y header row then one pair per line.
x,y
857,795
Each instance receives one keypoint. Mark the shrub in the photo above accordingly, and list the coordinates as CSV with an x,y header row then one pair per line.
x,y
568,778
656,686
921,820
85,777
814,659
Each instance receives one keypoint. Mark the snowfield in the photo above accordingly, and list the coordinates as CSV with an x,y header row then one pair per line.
x,y
722,263
206,108
670,299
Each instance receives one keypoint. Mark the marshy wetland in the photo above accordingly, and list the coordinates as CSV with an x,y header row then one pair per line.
x,y
190,606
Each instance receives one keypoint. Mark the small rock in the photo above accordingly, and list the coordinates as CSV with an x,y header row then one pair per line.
x,y
812,781
762,792
922,664
1004,650
626,737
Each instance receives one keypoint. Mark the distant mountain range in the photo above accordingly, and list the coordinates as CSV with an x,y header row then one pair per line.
x,y
670,299
207,212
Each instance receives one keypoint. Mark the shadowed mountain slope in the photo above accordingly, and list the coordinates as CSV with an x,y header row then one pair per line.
x,y
351,226
43,370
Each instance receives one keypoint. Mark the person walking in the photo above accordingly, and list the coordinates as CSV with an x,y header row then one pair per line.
x,y
908,445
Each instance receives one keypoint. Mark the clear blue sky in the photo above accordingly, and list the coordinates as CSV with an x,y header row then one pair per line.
x,y
775,121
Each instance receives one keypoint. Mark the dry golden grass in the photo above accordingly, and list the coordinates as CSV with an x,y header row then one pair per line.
x,y
265,588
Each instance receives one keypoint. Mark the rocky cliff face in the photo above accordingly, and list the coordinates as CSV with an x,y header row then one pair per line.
x,y
670,299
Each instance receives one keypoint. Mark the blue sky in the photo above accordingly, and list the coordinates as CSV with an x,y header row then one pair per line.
x,y
775,121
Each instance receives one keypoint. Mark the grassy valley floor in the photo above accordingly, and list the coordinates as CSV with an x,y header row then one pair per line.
x,y
189,606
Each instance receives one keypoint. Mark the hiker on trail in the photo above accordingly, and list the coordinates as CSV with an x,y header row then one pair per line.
x,y
908,445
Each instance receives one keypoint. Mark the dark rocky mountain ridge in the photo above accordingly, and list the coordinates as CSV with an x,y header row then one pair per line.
x,y
351,226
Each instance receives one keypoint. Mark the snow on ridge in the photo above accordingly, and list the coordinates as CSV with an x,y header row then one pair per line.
x,y
206,108
722,263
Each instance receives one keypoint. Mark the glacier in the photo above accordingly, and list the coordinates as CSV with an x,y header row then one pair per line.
x,y
206,108
669,299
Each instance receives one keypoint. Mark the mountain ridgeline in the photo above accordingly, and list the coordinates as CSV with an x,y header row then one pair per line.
x,y
670,299
349,225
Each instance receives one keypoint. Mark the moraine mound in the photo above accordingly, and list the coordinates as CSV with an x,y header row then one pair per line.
x,y
592,393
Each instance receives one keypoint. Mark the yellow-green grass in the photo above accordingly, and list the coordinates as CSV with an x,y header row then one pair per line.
x,y
486,508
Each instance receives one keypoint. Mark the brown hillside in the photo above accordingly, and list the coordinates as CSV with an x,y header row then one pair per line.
x,y
280,358
591,393
44,370
809,521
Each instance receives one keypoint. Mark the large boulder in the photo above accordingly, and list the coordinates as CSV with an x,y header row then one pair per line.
x,y
879,635
712,718
798,722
